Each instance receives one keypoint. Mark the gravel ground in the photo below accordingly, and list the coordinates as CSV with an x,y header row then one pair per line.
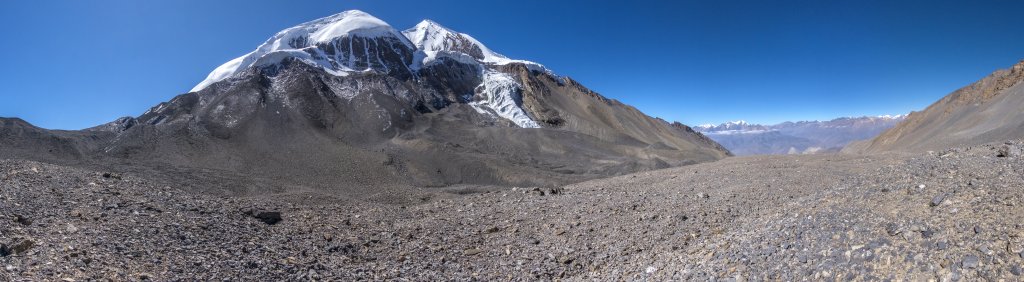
x,y
949,215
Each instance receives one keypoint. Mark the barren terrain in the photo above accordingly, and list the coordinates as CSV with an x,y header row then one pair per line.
x,y
946,215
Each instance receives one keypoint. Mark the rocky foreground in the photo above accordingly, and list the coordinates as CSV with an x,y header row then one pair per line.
x,y
949,215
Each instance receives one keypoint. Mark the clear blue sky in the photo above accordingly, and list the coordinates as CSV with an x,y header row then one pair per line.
x,y
73,64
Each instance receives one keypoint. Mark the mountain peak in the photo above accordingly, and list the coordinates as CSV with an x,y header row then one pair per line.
x,y
436,41
428,23
346,23
431,37
327,43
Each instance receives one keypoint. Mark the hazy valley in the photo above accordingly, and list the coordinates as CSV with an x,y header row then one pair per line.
x,y
802,137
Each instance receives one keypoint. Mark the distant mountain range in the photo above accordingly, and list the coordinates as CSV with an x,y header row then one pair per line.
x,y
801,137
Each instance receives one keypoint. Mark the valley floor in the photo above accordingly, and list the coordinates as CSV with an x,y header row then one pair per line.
x,y
953,214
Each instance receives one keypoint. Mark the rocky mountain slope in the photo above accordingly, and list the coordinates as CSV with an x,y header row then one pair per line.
x,y
348,104
802,137
19,139
988,110
952,215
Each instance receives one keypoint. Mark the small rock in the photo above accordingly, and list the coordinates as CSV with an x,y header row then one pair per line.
x,y
1016,270
1006,151
937,200
893,229
971,261
492,230
19,248
955,275
537,191
268,217
985,250
650,269
22,220
977,230
72,229
472,252
927,233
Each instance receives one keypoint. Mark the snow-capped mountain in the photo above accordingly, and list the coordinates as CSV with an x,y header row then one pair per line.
x,y
801,137
349,100
740,126
357,42
352,41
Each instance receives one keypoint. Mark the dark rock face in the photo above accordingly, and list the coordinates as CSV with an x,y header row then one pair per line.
x,y
389,54
117,126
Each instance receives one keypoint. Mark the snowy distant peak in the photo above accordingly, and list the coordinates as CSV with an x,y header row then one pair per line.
x,y
736,123
741,126
328,42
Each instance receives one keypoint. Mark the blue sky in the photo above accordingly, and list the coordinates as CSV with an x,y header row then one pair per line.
x,y
74,64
